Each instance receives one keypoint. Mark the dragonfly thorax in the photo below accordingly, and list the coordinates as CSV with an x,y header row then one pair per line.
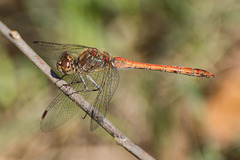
x,y
92,60
65,64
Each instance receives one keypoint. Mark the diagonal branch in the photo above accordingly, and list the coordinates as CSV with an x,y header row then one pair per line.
x,y
119,137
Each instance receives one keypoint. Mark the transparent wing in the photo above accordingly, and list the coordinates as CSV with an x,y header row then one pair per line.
x,y
63,108
59,45
108,82
60,110
57,113
54,50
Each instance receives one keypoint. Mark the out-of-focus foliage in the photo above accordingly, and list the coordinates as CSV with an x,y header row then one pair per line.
x,y
170,116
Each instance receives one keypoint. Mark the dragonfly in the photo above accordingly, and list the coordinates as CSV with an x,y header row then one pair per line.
x,y
94,74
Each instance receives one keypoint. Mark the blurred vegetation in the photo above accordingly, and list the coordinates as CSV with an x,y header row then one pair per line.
x,y
170,116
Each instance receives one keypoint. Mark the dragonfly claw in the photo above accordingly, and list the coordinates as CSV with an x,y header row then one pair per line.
x,y
84,116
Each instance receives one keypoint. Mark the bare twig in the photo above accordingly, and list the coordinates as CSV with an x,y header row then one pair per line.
x,y
119,137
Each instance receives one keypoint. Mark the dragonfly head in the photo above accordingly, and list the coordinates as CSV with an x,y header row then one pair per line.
x,y
65,64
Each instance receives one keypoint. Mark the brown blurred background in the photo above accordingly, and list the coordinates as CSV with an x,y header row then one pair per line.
x,y
170,116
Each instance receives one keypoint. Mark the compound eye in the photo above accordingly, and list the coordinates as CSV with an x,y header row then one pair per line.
x,y
66,63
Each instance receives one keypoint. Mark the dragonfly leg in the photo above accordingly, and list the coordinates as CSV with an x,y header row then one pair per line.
x,y
72,82
85,85
83,81
61,79
75,82
98,89
63,76
93,82
84,116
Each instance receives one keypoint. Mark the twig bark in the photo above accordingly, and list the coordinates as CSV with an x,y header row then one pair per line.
x,y
119,137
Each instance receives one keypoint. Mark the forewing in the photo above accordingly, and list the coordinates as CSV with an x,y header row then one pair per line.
x,y
108,84
55,50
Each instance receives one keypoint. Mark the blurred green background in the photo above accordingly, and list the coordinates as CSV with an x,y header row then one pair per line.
x,y
170,116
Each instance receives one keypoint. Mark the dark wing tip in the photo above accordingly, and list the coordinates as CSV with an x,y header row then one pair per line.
x,y
44,114
35,42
